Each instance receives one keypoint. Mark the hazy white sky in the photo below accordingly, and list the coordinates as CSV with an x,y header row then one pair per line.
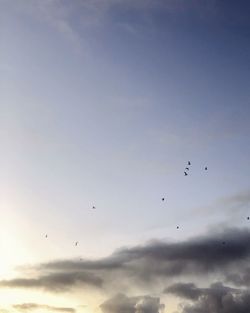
x,y
103,103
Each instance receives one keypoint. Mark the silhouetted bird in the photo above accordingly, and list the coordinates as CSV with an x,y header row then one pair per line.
x,y
187,168
46,236
76,243
189,163
93,207
205,168
185,173
248,218
177,227
162,199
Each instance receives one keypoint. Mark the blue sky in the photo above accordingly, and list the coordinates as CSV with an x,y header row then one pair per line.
x,y
103,103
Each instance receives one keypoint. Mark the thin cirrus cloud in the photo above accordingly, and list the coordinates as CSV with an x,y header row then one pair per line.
x,y
61,15
31,307
95,12
238,202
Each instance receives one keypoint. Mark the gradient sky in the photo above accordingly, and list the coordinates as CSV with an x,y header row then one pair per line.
x,y
103,102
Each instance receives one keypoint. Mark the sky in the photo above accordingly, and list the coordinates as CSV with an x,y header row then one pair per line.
x,y
103,103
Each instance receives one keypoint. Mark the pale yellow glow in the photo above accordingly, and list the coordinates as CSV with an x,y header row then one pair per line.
x,y
13,251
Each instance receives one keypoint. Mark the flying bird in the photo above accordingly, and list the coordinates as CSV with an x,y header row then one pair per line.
x,y
46,236
185,173
93,207
187,168
76,243
248,218
189,163
162,199
205,168
177,227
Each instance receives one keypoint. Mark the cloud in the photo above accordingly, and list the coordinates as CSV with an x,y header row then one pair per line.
x,y
70,18
241,278
184,290
58,15
198,255
123,304
149,304
55,281
119,303
216,299
238,202
218,254
27,307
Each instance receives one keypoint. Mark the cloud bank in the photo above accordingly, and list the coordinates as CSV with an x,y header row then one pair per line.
x,y
219,261
220,254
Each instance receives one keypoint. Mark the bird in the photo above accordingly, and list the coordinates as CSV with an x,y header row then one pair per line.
x,y
93,207
187,168
189,163
162,199
205,168
248,218
46,236
185,173
76,243
177,227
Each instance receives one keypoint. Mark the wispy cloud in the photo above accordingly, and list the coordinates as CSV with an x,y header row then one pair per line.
x,y
56,14
30,307
72,18
231,206
238,202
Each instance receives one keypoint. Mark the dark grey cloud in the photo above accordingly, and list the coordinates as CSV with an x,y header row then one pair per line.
x,y
184,290
27,307
217,299
149,304
123,304
218,254
241,278
55,281
198,255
